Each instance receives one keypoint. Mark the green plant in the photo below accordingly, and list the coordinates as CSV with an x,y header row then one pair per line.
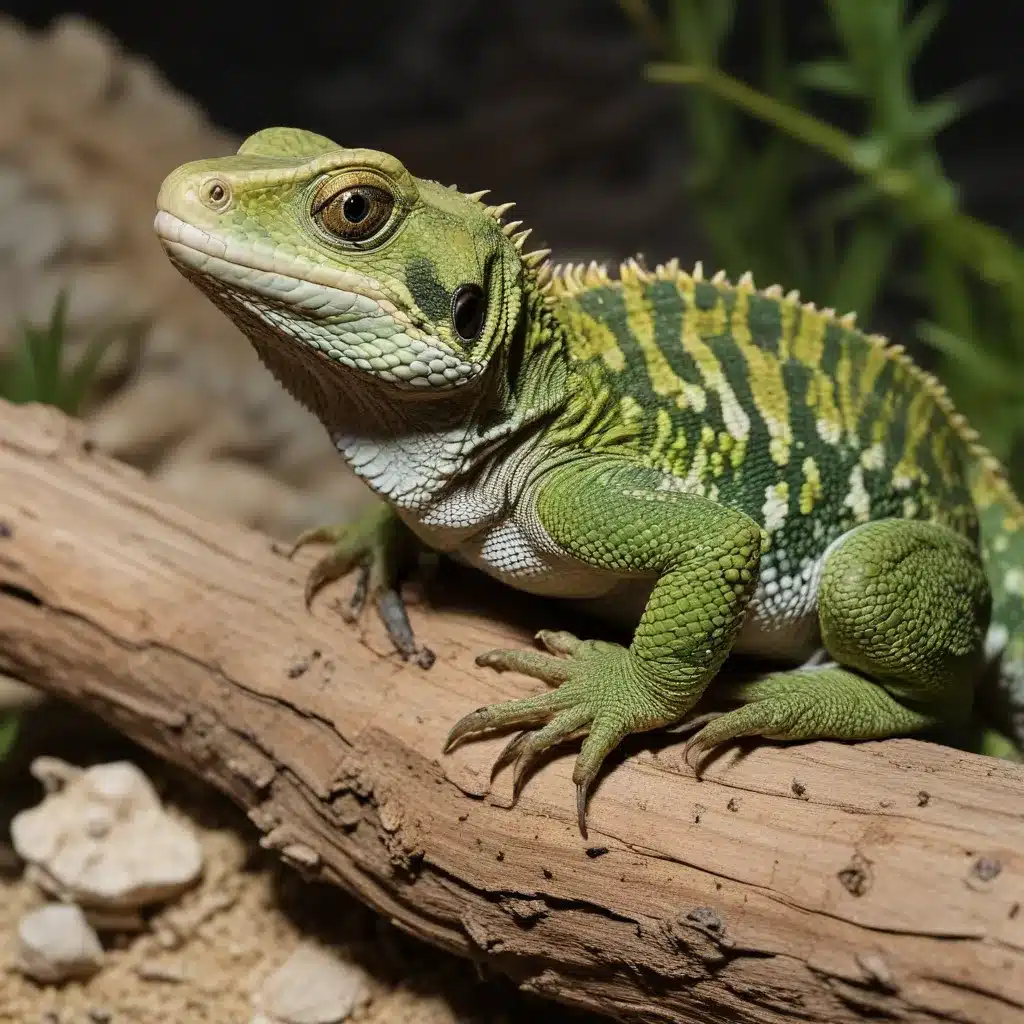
x,y
9,724
840,213
36,371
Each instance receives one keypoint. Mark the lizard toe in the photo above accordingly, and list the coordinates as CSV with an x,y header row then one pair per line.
x,y
528,746
527,711
546,667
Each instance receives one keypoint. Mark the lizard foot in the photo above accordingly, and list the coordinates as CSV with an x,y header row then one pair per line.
x,y
804,704
374,547
601,694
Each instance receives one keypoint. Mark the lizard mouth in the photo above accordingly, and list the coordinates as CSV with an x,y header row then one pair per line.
x,y
270,273
329,310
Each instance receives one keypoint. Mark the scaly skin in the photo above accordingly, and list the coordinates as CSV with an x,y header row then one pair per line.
x,y
744,471
376,544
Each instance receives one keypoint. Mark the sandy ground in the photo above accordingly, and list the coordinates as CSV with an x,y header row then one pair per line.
x,y
200,960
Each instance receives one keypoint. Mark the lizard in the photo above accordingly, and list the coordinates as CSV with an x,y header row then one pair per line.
x,y
721,468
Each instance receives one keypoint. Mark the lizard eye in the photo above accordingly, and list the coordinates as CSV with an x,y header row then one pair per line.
x,y
468,309
355,213
215,194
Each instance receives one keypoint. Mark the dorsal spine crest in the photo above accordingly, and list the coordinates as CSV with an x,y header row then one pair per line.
x,y
561,281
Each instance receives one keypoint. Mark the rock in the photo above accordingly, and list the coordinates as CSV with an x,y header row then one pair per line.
x,y
32,234
313,986
87,133
151,970
100,838
143,421
101,297
82,58
56,944
180,923
93,225
10,862
14,187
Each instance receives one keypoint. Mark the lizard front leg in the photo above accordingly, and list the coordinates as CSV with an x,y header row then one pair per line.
x,y
612,515
378,544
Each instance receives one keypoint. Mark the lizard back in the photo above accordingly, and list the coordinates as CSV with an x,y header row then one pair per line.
x,y
761,402
789,412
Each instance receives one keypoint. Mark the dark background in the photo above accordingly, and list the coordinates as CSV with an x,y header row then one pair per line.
x,y
543,101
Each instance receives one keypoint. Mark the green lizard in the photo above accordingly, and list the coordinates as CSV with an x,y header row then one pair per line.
x,y
727,468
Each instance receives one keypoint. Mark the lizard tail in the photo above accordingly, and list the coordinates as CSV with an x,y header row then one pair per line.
x,y
1001,696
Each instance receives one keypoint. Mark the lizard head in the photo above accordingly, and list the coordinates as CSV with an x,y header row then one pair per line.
x,y
338,263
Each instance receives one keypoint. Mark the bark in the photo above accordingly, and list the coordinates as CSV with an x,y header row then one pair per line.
x,y
822,882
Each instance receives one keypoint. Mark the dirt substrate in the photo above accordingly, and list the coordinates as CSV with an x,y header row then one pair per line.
x,y
203,958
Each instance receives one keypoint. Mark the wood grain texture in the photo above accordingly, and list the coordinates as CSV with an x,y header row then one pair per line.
x,y
822,882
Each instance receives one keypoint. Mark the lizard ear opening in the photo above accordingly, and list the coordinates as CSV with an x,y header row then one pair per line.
x,y
469,305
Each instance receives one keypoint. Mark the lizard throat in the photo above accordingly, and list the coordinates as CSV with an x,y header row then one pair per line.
x,y
405,444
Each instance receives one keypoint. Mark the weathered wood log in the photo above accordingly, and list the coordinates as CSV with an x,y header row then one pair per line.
x,y
822,882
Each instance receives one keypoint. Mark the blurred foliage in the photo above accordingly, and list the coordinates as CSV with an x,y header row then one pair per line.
x,y
8,733
36,372
835,211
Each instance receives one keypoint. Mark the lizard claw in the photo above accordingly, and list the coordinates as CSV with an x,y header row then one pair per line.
x,y
391,609
600,695
373,546
356,604
527,746
527,711
510,753
581,807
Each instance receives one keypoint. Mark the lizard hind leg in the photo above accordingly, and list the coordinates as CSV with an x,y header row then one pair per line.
x,y
904,607
808,704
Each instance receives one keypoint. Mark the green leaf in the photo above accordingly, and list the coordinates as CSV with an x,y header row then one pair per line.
x,y
933,117
9,727
846,203
36,371
11,384
45,349
75,385
947,290
842,246
862,273
869,153
700,27
980,363
997,422
830,75
938,114
718,17
918,31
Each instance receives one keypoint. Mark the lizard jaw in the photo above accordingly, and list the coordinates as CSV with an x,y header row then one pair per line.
x,y
329,310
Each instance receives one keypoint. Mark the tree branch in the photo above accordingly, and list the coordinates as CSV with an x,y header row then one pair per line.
x,y
822,882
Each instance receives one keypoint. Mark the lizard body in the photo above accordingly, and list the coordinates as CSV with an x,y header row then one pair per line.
x,y
722,467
